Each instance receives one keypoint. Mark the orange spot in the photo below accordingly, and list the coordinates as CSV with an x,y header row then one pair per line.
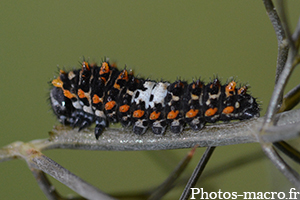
x,y
62,72
154,115
109,105
228,110
124,108
136,80
81,94
57,83
230,88
179,84
103,79
211,112
191,113
123,75
86,65
216,83
194,86
138,113
197,84
104,69
96,99
172,114
117,86
242,90
68,94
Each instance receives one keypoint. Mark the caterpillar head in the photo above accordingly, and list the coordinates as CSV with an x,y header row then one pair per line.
x,y
61,106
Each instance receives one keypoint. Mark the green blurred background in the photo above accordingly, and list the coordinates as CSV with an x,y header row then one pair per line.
x,y
158,39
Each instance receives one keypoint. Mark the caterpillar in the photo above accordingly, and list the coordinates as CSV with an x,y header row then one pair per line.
x,y
103,94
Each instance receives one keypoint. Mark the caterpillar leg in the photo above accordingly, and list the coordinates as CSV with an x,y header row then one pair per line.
x,y
101,124
196,124
159,127
177,125
87,121
140,127
82,119
78,116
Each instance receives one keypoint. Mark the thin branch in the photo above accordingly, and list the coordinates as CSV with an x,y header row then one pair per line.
x,y
166,160
66,177
119,139
274,18
232,164
124,139
285,23
285,169
282,32
37,160
45,184
197,173
276,133
278,90
288,150
291,99
296,34
225,167
283,48
168,184
9,152
273,107
48,188
5,155
214,135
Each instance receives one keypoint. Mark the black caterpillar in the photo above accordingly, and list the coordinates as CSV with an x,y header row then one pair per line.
x,y
103,94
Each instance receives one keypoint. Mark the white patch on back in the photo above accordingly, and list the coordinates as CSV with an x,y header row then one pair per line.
x,y
159,93
144,95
